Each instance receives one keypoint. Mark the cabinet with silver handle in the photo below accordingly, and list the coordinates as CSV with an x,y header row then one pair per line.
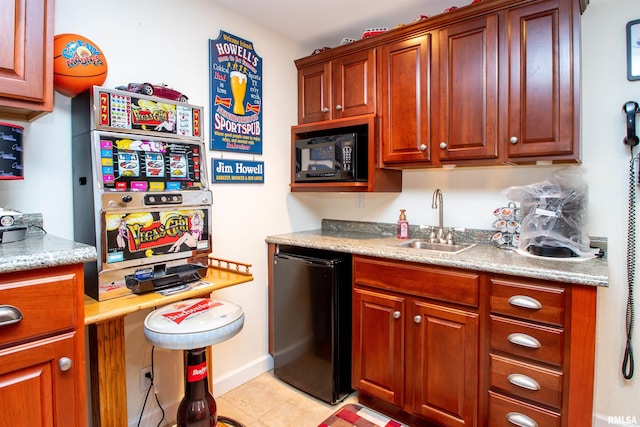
x,y
527,352
42,342
421,349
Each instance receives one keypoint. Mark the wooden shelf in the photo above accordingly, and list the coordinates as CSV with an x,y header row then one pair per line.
x,y
379,179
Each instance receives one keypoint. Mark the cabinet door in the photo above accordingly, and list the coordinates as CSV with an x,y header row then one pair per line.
x,y
541,108
34,388
314,93
444,364
469,90
354,84
26,59
406,100
378,345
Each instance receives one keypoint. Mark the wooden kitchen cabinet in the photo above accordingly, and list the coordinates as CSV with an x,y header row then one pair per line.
x,y
539,77
467,105
26,59
461,348
541,350
415,340
338,88
444,361
505,90
42,353
378,179
405,91
378,362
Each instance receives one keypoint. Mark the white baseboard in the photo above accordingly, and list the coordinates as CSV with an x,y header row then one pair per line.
x,y
247,372
221,385
615,420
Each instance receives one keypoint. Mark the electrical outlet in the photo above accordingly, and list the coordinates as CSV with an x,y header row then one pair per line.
x,y
145,378
359,200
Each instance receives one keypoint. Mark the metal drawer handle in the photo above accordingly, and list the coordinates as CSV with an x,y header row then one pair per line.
x,y
396,314
524,340
417,318
65,364
521,420
524,301
523,381
9,315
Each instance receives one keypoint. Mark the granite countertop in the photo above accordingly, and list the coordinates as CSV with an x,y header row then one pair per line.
x,y
42,250
376,240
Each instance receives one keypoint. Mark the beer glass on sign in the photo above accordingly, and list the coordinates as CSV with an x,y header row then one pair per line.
x,y
238,90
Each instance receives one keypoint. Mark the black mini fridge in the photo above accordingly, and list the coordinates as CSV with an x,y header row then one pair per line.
x,y
312,322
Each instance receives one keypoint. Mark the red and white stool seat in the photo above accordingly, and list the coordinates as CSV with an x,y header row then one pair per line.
x,y
193,323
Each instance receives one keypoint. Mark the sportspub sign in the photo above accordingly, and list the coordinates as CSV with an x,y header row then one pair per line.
x,y
235,72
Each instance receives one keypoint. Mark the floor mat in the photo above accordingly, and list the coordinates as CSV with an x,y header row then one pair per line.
x,y
352,415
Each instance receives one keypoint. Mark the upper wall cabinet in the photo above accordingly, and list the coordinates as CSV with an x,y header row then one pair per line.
x,y
496,82
339,88
405,107
26,59
468,90
541,82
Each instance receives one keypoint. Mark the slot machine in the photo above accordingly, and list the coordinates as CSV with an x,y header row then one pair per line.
x,y
140,192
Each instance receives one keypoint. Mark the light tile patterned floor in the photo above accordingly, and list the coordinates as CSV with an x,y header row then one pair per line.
x,y
266,401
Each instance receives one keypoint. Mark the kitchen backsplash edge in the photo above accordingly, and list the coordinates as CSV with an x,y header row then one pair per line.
x,y
469,235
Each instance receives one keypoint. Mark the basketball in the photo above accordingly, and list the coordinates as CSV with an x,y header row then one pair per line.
x,y
78,64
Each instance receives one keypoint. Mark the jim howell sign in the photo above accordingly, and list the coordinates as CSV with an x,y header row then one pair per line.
x,y
237,171
236,95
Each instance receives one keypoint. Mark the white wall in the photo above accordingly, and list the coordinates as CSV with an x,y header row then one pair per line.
x,y
162,41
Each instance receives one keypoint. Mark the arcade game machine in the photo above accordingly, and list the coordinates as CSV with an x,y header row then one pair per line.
x,y
140,192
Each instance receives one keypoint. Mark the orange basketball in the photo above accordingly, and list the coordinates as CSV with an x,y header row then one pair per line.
x,y
78,64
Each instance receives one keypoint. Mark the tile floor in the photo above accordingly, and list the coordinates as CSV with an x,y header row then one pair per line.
x,y
266,401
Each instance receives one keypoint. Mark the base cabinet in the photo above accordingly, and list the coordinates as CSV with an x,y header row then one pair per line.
x,y
416,353
378,345
42,356
36,387
541,353
449,347
444,368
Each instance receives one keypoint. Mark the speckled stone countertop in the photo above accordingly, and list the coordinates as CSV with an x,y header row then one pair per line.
x,y
41,250
378,240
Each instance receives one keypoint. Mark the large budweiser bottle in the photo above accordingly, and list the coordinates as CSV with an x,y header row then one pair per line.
x,y
197,408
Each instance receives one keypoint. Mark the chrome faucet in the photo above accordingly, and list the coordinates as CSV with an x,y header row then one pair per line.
x,y
436,203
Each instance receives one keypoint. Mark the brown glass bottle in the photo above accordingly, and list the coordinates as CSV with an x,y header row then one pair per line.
x,y
197,408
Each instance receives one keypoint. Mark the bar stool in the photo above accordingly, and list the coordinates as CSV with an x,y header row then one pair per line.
x,y
192,325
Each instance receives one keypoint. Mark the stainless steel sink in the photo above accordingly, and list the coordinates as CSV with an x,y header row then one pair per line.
x,y
438,247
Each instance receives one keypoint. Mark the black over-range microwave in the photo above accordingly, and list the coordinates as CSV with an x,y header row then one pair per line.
x,y
340,157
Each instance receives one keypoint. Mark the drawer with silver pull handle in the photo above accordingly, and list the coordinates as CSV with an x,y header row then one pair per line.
x,y
36,307
526,380
523,300
507,412
536,342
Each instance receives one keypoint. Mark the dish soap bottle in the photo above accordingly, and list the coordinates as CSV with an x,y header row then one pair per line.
x,y
403,225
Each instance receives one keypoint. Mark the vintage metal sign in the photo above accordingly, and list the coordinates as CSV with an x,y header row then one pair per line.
x,y
235,72
237,171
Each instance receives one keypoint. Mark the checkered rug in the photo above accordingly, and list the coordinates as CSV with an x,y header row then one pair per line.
x,y
351,415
